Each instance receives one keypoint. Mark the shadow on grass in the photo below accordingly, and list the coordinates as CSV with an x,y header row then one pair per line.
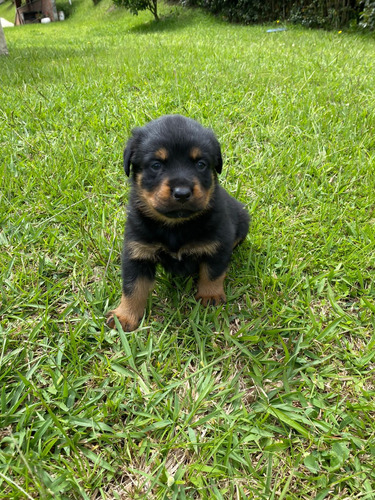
x,y
171,22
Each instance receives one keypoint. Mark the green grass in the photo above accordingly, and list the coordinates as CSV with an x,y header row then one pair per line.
x,y
268,397
8,11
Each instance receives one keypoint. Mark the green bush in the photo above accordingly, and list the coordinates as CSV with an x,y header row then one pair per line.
x,y
311,13
136,5
368,16
244,11
324,13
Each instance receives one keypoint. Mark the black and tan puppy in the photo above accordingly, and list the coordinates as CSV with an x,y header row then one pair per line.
x,y
178,215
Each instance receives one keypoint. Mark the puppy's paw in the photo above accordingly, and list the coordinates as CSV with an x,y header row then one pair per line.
x,y
212,299
210,292
128,323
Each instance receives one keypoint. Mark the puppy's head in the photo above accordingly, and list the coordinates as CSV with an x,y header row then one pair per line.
x,y
174,162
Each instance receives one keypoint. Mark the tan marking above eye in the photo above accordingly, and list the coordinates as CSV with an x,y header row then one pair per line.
x,y
195,153
161,154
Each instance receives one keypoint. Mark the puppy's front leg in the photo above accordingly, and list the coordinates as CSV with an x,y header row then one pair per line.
x,y
137,281
211,285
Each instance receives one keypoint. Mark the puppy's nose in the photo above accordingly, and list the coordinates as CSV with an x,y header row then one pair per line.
x,y
181,193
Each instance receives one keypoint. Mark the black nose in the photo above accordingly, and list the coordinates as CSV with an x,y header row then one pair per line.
x,y
182,193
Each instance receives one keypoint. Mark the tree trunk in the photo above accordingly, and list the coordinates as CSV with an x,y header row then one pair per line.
x,y
155,9
3,44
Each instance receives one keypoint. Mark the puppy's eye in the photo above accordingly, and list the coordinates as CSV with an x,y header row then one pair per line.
x,y
156,166
201,165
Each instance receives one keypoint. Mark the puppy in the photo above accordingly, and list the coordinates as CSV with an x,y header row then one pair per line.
x,y
178,214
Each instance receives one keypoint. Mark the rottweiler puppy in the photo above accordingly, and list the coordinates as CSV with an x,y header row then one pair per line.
x,y
178,215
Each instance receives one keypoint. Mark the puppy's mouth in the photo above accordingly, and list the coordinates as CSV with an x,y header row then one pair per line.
x,y
180,213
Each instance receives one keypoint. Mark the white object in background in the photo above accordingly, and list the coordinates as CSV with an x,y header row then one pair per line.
x,y
5,24
61,16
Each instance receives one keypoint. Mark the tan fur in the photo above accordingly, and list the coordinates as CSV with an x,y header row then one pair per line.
x,y
163,192
210,291
195,153
161,154
131,307
150,201
160,195
200,194
146,205
198,249
139,180
143,251
148,251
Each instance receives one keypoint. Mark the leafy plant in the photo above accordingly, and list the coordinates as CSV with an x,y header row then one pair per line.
x,y
367,21
137,5
310,13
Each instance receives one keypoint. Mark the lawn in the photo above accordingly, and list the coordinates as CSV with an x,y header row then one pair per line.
x,y
270,396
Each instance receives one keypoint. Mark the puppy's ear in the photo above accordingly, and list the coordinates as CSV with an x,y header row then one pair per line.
x,y
219,162
130,149
217,153
127,157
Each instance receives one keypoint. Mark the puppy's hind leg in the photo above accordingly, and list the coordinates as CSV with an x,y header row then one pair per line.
x,y
242,229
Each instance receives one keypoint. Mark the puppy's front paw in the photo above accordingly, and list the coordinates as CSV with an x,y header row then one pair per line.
x,y
210,292
128,323
211,299
132,306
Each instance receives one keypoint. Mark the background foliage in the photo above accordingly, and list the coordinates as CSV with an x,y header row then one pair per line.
x,y
368,16
310,13
137,5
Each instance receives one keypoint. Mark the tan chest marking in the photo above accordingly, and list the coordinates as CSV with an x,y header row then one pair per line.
x,y
149,251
